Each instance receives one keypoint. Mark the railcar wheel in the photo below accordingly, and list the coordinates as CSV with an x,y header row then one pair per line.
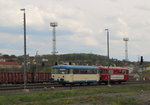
x,y
99,83
72,84
106,83
88,83
119,82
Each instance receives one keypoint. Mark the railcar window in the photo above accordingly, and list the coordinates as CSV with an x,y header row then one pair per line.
x,y
122,72
127,71
60,71
76,71
91,71
84,71
54,71
100,71
103,71
111,71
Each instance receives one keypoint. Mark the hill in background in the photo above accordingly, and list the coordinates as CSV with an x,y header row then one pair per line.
x,y
44,62
84,59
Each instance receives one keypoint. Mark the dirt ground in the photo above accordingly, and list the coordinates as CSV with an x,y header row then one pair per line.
x,y
143,97
140,98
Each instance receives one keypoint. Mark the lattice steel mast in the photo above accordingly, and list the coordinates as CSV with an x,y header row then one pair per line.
x,y
126,48
54,25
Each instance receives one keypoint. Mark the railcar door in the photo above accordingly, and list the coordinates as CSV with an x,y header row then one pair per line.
x,y
71,75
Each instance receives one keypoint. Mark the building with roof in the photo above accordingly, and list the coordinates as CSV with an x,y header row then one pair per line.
x,y
9,65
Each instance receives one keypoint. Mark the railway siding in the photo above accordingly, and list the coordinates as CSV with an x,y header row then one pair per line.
x,y
118,94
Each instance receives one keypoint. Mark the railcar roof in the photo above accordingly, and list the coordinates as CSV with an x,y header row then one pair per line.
x,y
113,68
74,67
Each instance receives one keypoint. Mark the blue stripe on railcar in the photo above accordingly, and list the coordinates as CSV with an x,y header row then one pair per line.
x,y
74,67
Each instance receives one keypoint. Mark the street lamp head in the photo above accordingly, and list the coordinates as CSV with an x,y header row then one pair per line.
x,y
53,24
23,9
106,29
125,39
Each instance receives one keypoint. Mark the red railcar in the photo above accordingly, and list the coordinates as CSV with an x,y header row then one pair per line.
x,y
18,77
113,74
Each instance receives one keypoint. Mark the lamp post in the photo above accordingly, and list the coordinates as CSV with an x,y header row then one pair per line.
x,y
36,60
107,31
25,56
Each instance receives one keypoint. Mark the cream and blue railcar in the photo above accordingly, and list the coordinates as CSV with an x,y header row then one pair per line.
x,y
75,74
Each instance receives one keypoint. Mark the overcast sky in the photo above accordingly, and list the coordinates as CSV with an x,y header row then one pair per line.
x,y
81,27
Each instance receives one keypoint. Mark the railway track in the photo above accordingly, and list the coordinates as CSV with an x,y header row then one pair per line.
x,y
28,86
48,86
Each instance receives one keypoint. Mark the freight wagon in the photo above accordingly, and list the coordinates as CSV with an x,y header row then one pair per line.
x,y
18,77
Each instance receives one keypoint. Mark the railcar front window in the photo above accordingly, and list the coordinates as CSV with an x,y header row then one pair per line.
x,y
60,71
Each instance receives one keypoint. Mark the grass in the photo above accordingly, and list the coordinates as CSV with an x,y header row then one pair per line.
x,y
146,71
77,96
146,74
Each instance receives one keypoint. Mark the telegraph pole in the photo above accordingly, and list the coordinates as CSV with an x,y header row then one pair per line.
x,y
25,55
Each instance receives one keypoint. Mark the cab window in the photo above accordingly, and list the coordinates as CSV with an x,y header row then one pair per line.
x,y
60,71
103,71
122,71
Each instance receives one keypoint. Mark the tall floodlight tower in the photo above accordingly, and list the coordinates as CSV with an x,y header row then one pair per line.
x,y
54,25
126,48
107,32
25,55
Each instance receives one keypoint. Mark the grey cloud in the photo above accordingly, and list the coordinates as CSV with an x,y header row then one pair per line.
x,y
143,8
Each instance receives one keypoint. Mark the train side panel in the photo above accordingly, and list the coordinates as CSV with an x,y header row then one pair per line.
x,y
76,78
85,78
